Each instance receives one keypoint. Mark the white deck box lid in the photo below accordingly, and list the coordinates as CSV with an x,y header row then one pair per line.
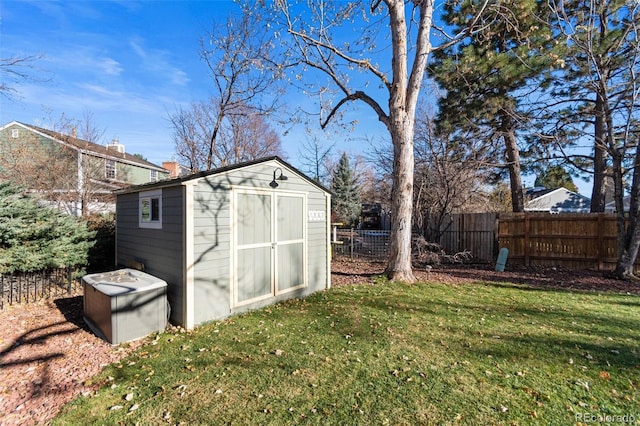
x,y
123,281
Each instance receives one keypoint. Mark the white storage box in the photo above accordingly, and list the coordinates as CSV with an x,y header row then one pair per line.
x,y
124,305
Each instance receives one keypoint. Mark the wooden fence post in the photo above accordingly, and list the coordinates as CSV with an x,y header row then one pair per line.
x,y
600,243
527,260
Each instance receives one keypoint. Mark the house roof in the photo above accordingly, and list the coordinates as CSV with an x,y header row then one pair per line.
x,y
559,200
610,207
87,147
179,180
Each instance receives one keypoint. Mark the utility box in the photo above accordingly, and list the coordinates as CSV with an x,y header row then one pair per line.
x,y
124,305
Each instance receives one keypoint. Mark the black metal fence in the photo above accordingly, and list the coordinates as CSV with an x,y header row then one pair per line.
x,y
32,286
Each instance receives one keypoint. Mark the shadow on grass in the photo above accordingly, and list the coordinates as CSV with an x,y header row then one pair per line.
x,y
545,279
602,330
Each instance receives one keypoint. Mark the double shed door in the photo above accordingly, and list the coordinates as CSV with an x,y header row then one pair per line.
x,y
269,244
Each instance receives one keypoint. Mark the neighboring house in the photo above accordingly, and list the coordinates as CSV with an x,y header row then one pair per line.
x,y
175,169
559,200
77,175
610,207
228,240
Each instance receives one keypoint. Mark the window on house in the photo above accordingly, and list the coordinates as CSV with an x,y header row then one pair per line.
x,y
154,175
110,169
15,133
150,209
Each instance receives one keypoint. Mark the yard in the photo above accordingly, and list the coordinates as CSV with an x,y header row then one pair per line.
x,y
464,346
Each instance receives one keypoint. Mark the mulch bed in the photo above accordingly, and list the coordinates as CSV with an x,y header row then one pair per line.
x,y
48,354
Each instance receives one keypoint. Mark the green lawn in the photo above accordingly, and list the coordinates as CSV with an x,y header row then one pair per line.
x,y
388,353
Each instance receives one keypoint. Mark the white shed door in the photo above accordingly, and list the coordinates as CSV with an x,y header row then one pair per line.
x,y
269,241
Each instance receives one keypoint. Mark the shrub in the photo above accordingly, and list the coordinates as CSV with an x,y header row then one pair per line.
x,y
102,256
34,236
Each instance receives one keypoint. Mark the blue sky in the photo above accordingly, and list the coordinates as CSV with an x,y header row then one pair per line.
x,y
128,63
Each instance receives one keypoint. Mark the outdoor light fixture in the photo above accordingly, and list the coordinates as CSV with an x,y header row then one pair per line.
x,y
273,183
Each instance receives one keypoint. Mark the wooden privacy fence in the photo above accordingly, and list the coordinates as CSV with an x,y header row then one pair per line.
x,y
576,241
473,232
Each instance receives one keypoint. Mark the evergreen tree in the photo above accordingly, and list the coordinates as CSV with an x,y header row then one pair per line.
x,y
594,95
346,193
486,76
34,237
556,177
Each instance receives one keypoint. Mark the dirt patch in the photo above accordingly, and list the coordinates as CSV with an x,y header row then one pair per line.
x,y
47,353
350,272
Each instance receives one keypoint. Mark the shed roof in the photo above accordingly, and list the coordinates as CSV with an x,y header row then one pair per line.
x,y
181,179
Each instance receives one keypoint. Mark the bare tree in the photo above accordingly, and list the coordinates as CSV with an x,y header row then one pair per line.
x,y
320,36
249,137
14,70
240,137
450,174
313,157
238,54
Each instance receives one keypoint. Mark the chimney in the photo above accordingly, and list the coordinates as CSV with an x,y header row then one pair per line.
x,y
173,167
74,132
116,146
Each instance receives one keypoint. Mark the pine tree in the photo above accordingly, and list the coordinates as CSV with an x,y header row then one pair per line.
x,y
34,237
346,193
486,75
556,177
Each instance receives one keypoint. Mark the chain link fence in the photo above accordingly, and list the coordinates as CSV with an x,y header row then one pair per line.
x,y
361,243
475,246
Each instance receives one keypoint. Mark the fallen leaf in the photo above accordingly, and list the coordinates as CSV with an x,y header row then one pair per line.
x,y
128,397
605,375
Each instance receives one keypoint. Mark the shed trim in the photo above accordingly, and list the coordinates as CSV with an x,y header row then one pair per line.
x,y
328,220
199,175
189,257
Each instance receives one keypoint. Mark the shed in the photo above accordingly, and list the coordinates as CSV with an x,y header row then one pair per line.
x,y
228,240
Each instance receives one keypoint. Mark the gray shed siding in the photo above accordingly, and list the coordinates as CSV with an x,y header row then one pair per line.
x,y
159,250
194,250
213,239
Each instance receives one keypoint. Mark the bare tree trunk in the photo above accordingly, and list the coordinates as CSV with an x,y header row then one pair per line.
x,y
629,237
512,152
599,159
399,265
213,140
513,158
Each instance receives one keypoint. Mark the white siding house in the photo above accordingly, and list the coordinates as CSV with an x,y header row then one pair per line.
x,y
559,200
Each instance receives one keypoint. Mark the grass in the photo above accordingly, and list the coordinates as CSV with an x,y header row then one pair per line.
x,y
388,353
